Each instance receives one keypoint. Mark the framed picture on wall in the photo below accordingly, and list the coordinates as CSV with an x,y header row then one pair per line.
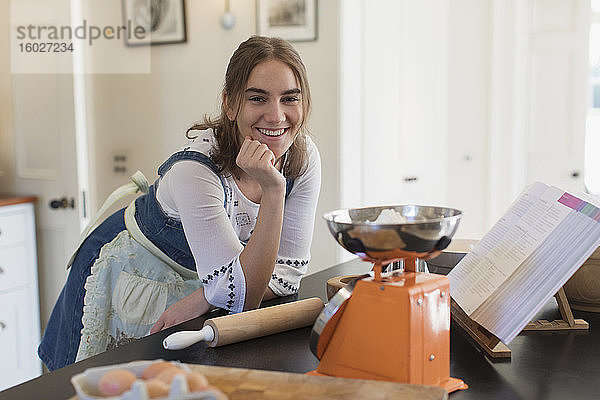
x,y
151,22
293,20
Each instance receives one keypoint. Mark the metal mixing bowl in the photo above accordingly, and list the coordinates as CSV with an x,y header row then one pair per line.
x,y
393,232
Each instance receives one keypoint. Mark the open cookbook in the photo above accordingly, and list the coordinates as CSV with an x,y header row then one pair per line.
x,y
527,256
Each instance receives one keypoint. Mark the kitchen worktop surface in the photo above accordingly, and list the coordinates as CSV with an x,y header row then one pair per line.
x,y
543,365
7,199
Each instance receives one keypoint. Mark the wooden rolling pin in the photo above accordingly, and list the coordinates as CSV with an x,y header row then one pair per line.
x,y
249,324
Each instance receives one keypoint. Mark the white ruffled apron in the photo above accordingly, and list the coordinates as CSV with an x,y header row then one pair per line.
x,y
131,284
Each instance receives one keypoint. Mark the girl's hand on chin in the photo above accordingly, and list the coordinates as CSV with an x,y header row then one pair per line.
x,y
257,160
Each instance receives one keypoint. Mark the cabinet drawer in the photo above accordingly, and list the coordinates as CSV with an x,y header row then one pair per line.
x,y
13,267
8,336
12,228
19,338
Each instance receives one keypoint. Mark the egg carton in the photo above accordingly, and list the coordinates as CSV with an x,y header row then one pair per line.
x,y
86,384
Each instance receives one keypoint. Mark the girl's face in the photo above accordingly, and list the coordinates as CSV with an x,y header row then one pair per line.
x,y
271,109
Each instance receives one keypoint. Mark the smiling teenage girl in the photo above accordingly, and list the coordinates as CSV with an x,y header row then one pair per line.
x,y
228,223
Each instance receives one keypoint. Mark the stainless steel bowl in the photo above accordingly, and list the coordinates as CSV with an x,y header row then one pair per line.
x,y
393,232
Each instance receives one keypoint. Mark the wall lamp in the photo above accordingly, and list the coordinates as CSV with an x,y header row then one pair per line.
x,y
227,19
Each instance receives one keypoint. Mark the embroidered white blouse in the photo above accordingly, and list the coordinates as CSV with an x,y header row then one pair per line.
x,y
193,193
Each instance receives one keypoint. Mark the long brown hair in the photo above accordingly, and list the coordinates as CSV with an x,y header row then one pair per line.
x,y
248,55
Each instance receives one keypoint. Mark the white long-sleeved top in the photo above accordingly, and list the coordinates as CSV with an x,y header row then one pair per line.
x,y
191,192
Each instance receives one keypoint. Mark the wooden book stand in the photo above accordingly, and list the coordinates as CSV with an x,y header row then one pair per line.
x,y
566,323
484,339
494,348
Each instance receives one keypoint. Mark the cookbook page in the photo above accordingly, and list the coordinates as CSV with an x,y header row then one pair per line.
x,y
512,239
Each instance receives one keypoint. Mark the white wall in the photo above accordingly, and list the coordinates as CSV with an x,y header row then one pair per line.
x,y
6,153
146,115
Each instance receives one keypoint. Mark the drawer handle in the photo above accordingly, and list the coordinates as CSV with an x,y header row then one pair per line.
x,y
1,270
2,326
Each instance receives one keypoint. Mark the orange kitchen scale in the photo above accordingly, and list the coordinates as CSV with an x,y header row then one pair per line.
x,y
392,326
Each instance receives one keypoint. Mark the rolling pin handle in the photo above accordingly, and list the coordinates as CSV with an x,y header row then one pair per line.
x,y
183,339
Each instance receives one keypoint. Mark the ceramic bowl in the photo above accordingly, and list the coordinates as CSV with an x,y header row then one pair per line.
x,y
583,289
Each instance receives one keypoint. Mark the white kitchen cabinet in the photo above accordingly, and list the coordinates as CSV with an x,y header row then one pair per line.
x,y
19,301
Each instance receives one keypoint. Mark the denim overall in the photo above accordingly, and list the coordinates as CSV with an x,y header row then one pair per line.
x,y
61,339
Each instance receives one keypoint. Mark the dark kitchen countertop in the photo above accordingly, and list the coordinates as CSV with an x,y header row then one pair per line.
x,y
543,366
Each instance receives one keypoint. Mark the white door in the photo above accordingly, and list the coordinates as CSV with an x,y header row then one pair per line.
x,y
39,157
399,150
46,166
558,73
537,97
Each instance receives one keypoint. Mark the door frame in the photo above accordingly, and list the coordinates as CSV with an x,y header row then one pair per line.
x,y
509,99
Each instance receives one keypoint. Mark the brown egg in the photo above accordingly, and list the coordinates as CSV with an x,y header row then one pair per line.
x,y
167,374
196,381
157,388
116,382
156,368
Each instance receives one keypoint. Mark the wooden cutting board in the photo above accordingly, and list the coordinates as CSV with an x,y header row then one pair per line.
x,y
250,384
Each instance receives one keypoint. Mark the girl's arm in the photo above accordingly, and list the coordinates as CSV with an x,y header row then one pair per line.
x,y
258,257
216,247
298,226
234,277
185,309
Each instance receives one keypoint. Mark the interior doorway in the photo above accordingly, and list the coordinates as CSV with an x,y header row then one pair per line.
x,y
592,138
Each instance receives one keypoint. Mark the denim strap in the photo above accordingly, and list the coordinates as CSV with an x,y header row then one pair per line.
x,y
138,236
